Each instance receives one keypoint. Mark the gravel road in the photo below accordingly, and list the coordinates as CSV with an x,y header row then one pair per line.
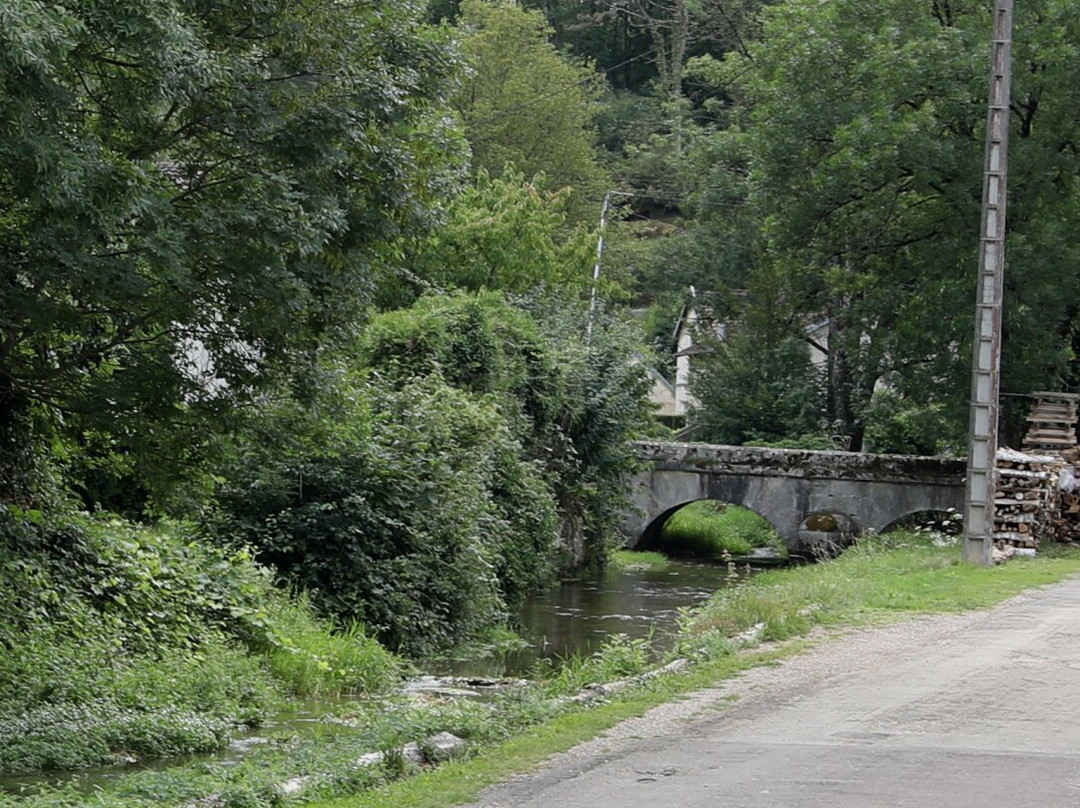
x,y
980,710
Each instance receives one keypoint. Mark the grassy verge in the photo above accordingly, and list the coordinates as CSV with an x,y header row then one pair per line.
x,y
888,579
883,580
461,782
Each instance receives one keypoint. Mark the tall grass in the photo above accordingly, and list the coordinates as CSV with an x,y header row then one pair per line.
x,y
882,578
715,529
119,641
312,658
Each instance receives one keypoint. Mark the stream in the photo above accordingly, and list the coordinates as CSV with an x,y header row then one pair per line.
x,y
575,617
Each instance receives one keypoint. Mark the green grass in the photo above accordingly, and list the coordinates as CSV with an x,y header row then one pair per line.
x,y
885,579
311,658
639,560
462,782
714,529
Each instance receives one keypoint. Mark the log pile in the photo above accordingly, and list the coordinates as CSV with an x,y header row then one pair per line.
x,y
1064,523
1037,495
1026,499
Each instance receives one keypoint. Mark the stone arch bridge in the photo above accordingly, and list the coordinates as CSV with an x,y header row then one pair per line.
x,y
811,498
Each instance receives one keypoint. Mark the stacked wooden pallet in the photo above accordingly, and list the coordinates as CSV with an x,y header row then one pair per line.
x,y
1052,423
1026,498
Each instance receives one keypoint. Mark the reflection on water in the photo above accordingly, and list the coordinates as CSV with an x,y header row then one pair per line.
x,y
577,616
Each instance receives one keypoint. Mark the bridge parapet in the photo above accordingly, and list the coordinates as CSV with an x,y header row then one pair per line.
x,y
705,458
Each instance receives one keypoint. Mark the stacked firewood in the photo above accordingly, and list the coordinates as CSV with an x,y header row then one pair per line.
x,y
1037,495
1064,522
1026,499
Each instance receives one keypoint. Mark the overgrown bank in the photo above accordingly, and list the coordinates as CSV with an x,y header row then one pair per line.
x,y
467,451
405,501
122,642
887,579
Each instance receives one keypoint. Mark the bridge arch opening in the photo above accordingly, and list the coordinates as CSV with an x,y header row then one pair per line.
x,y
713,530
947,524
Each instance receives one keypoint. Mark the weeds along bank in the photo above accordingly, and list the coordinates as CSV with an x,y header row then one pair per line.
x,y
414,491
121,642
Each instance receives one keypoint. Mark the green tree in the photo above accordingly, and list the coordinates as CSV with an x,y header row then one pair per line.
x,y
526,106
751,391
681,29
861,125
508,234
574,403
481,447
187,178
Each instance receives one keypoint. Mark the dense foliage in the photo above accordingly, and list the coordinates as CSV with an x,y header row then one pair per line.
x,y
570,382
424,496
192,193
411,512
523,105
119,642
329,261
749,393
506,233
813,161
854,152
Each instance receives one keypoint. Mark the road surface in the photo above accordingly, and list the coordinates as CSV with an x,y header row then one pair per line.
x,y
965,711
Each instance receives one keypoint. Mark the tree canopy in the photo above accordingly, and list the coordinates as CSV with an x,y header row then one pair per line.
x,y
189,180
523,104
856,139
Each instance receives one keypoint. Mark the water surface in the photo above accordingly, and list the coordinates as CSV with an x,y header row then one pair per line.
x,y
577,616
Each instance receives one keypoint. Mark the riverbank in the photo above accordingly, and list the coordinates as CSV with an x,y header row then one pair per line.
x,y
965,709
776,615
883,580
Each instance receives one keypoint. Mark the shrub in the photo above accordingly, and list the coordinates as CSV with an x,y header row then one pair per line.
x,y
409,509
481,447
155,587
117,639
573,403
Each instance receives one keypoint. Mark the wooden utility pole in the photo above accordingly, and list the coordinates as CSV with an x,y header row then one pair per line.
x,y
985,376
